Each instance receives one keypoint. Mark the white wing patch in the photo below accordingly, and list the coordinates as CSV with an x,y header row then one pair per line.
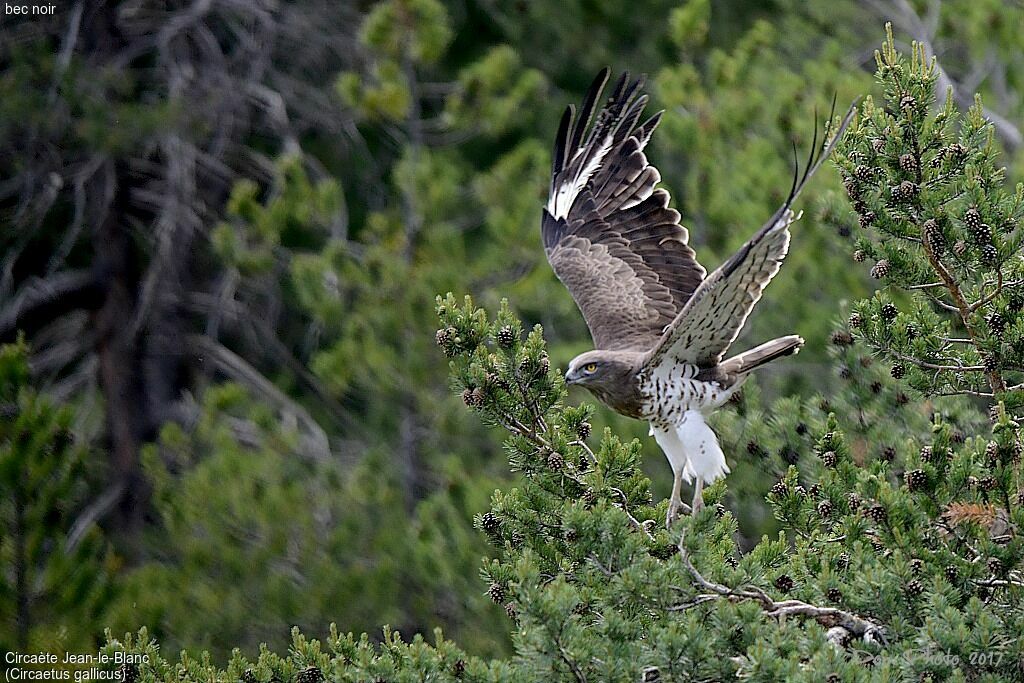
x,y
563,198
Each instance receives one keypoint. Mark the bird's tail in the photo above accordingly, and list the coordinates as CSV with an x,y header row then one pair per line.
x,y
765,353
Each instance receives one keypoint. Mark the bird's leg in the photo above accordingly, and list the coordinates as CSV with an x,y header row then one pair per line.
x,y
698,495
674,501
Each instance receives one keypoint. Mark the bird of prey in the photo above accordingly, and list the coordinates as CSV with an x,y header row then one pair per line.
x,y
661,325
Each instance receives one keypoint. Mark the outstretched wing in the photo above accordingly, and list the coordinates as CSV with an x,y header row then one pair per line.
x,y
712,319
608,233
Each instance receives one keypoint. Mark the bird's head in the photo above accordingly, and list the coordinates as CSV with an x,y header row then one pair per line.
x,y
611,376
599,368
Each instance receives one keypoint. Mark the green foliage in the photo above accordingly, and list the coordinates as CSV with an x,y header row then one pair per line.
x,y
941,226
916,580
53,568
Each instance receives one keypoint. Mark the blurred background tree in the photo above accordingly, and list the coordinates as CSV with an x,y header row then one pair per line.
x,y
224,224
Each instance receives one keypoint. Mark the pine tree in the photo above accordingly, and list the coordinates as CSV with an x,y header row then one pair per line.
x,y
53,578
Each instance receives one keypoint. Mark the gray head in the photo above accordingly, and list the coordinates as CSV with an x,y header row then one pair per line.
x,y
610,376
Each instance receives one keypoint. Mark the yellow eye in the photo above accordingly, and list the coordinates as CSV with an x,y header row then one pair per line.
x,y
589,368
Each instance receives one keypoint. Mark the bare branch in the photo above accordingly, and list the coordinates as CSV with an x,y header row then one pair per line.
x,y
239,370
830,617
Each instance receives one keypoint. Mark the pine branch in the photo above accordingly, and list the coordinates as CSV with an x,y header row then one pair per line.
x,y
830,617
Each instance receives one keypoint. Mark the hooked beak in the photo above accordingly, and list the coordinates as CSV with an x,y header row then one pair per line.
x,y
569,377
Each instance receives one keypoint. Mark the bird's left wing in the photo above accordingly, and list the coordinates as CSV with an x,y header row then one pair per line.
x,y
712,319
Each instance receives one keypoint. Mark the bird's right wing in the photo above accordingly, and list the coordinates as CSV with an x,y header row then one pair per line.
x,y
712,319
609,235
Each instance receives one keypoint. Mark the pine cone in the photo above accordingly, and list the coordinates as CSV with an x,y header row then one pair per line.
x,y
834,595
876,387
556,462
864,220
510,610
755,449
989,254
815,490
889,312
248,676
784,583
856,320
779,489
898,371
926,453
914,588
310,674
829,459
992,454
996,323
880,269
474,398
859,256
951,573
863,173
904,192
506,337
916,480
972,219
800,428
843,560
589,498
828,439
845,372
444,335
907,103
853,500
497,593
490,523
842,338
459,668
583,430
988,483
825,508
995,566
982,234
960,248
888,454
916,565
447,339
956,151
878,513
933,236
990,362
908,163
878,145
912,332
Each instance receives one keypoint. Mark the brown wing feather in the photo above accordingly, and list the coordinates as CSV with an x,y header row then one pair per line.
x,y
609,235
711,320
